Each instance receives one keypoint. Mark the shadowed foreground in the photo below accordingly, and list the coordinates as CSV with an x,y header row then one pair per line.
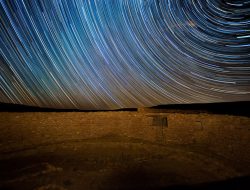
x,y
123,150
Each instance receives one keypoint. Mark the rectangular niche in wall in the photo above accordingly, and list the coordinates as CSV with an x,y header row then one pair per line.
x,y
160,121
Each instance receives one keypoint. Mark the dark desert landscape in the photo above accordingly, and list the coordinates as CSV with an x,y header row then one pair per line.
x,y
165,147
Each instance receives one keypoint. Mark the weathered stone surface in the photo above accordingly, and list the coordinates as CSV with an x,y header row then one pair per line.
x,y
115,150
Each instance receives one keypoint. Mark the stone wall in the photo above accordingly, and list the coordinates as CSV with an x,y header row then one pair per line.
x,y
224,136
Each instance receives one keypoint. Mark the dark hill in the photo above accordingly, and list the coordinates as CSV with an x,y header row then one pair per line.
x,y
231,108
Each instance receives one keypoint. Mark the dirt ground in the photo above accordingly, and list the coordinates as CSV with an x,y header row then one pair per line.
x,y
123,150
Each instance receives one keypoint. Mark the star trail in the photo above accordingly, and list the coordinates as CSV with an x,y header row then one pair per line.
x,y
110,54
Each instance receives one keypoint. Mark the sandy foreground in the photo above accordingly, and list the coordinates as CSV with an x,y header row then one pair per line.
x,y
123,150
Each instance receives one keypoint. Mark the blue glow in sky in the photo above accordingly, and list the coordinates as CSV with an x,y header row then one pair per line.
x,y
109,54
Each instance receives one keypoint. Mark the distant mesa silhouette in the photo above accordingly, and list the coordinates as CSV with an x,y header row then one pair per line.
x,y
8,107
230,108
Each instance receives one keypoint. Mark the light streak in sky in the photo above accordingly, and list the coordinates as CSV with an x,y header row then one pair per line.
x,y
108,54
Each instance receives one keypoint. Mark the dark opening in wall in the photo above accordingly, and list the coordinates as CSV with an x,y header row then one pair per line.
x,y
160,121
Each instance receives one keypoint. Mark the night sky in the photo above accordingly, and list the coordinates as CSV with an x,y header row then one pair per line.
x,y
110,54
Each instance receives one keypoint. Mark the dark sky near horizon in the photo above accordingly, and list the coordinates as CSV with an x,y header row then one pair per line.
x,y
110,54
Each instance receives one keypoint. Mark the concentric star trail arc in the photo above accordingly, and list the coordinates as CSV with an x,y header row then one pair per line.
x,y
110,54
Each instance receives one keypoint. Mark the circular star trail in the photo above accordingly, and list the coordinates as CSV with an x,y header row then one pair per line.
x,y
109,54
